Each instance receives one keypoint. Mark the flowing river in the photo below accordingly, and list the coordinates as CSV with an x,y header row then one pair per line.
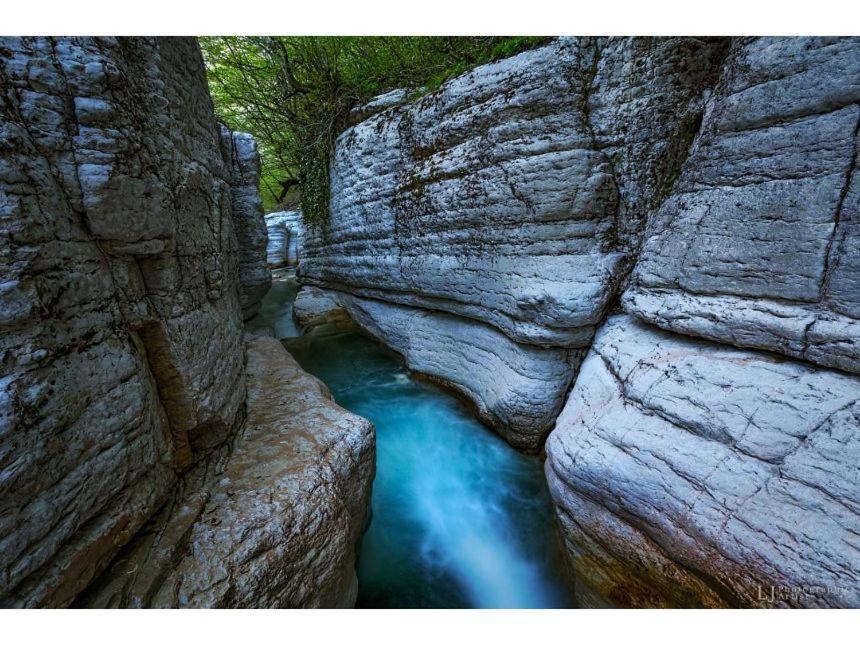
x,y
459,518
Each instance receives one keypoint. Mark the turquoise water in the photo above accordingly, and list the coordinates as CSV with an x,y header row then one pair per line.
x,y
459,518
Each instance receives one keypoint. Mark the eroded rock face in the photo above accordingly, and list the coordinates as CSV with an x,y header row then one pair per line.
x,y
687,474
759,243
275,523
496,197
690,473
513,197
121,326
517,389
243,164
285,230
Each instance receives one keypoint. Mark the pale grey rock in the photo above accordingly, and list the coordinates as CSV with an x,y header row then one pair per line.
x,y
285,230
272,524
379,104
314,306
517,389
498,197
686,473
757,246
120,333
512,197
243,164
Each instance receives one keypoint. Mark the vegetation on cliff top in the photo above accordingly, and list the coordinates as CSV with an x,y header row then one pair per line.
x,y
294,94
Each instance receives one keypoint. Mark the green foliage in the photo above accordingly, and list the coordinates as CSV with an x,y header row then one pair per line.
x,y
294,94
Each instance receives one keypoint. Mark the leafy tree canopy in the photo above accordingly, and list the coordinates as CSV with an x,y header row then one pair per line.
x,y
294,94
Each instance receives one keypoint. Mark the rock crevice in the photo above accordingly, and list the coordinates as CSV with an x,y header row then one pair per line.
x,y
131,241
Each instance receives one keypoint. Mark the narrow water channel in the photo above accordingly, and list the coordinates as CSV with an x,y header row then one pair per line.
x,y
459,518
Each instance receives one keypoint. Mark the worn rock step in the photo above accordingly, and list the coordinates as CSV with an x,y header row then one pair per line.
x,y
273,523
314,307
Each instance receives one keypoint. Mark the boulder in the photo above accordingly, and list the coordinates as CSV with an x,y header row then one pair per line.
x,y
758,244
243,164
686,473
272,524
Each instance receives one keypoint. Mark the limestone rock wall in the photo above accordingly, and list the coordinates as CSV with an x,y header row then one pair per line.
x,y
487,230
758,244
513,197
286,231
243,164
692,473
517,389
121,326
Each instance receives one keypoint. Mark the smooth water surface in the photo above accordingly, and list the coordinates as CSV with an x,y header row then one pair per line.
x,y
459,518
276,308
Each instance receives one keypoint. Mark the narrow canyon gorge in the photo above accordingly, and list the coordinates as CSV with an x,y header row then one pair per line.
x,y
581,329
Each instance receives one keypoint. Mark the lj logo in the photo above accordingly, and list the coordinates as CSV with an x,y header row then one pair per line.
x,y
767,595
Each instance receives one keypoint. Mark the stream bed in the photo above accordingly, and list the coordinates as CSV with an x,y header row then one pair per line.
x,y
459,518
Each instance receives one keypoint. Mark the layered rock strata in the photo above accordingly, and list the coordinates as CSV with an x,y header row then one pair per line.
x,y
274,522
690,473
759,243
121,326
243,164
123,387
517,390
512,197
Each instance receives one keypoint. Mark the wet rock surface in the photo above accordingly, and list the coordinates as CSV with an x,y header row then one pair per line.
x,y
272,523
691,474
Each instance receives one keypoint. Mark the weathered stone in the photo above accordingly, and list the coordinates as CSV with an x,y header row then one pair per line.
x,y
379,104
516,388
121,327
687,474
757,246
243,163
512,197
285,238
496,197
275,523
314,306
